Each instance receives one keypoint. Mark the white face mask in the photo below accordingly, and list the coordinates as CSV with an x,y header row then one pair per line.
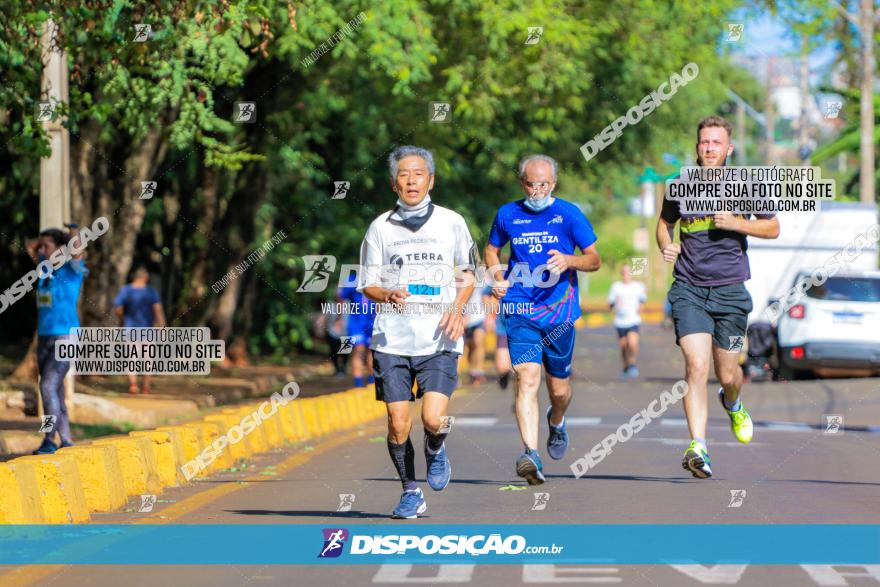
x,y
407,211
538,204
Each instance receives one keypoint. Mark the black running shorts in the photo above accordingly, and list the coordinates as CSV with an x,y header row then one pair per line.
x,y
395,375
721,311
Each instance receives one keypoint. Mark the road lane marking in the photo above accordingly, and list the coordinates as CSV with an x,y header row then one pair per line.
x,y
475,421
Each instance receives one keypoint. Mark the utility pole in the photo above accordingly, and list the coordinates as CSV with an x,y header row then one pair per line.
x,y
55,169
803,130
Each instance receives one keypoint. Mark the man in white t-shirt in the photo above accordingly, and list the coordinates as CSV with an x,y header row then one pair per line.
x,y
626,298
417,262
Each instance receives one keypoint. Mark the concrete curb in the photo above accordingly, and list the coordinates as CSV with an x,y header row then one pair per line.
x,y
101,476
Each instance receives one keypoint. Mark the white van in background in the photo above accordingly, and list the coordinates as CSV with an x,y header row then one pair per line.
x,y
834,327
806,242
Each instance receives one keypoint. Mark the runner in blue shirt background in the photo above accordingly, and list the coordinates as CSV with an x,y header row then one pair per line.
x,y
544,232
359,327
138,305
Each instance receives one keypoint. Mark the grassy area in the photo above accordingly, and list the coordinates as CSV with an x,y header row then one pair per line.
x,y
89,431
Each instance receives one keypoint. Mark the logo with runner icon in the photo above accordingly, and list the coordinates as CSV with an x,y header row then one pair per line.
x,y
346,345
737,497
638,265
736,344
319,268
340,190
334,541
541,501
48,424
833,424
346,500
535,33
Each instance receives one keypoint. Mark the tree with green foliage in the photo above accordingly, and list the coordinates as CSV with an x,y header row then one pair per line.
x,y
162,110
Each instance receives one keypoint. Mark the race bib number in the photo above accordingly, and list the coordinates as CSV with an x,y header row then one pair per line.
x,y
44,299
423,293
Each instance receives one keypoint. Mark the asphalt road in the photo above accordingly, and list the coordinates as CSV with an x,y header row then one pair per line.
x,y
792,472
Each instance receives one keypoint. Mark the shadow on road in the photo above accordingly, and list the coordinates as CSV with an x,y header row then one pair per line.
x,y
621,478
309,513
453,480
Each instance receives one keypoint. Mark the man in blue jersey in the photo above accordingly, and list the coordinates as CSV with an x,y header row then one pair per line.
x,y
359,331
539,300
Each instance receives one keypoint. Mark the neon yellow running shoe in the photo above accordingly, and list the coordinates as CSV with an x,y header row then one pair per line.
x,y
740,421
696,460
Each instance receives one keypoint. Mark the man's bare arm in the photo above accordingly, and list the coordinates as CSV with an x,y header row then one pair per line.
x,y
757,227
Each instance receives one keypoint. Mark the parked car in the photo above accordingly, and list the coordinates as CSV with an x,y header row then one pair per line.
x,y
835,326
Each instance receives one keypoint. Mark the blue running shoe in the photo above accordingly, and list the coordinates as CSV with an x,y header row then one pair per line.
x,y
412,503
557,441
439,467
529,467
48,447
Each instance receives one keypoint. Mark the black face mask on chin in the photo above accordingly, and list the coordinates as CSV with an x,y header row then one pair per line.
x,y
412,223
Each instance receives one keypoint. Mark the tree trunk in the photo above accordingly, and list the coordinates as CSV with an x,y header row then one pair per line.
x,y
206,213
110,257
28,370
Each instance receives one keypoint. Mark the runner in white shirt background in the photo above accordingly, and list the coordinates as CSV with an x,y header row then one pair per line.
x,y
626,298
409,258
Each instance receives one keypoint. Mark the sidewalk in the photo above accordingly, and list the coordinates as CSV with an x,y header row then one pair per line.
x,y
102,405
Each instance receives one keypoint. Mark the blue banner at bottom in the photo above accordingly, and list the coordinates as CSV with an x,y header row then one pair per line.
x,y
626,544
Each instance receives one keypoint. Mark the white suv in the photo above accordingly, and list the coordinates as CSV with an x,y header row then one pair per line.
x,y
836,325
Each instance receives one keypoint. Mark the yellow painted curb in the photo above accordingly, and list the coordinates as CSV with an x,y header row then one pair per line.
x,y
257,440
166,458
286,422
346,417
138,464
29,491
310,417
100,476
60,490
207,433
273,428
11,507
297,418
239,450
323,421
189,441
186,442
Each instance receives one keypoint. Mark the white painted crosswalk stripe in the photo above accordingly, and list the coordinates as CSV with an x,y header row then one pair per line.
x,y
474,421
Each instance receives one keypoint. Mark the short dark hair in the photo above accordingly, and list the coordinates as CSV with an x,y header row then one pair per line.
x,y
714,121
409,151
60,237
140,271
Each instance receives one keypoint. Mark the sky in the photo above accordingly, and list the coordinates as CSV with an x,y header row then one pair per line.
x,y
767,35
